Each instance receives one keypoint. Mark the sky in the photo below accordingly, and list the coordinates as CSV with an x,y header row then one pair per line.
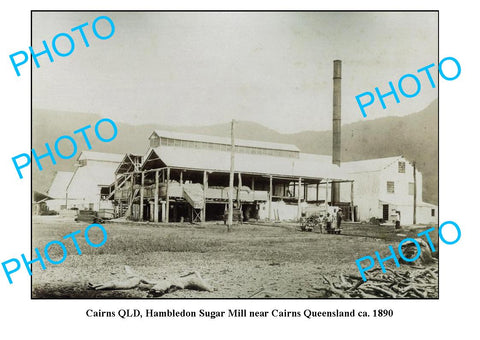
x,y
203,68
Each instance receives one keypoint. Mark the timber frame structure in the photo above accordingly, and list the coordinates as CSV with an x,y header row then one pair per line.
x,y
150,189
144,195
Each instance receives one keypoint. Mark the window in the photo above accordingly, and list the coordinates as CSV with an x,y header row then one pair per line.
x,y
390,187
433,212
401,167
411,188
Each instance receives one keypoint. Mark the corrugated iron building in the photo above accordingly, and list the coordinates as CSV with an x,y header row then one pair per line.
x,y
385,187
58,191
94,171
186,177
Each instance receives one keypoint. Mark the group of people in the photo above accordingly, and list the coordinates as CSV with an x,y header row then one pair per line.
x,y
330,222
333,219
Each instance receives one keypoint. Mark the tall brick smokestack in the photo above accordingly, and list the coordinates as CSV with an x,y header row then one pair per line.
x,y
337,124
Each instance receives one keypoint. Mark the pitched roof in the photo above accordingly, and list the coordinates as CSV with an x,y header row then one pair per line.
x,y
40,197
59,184
87,179
223,140
216,160
127,163
369,165
101,156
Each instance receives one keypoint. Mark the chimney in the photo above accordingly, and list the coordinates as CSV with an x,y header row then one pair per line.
x,y
337,123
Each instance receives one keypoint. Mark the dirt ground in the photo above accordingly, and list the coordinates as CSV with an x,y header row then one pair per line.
x,y
252,260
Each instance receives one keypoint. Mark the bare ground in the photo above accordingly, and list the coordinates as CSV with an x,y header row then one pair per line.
x,y
252,260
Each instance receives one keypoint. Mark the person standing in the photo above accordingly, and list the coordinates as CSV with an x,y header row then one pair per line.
x,y
339,218
328,222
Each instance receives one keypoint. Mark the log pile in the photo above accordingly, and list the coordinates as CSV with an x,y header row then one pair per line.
x,y
415,282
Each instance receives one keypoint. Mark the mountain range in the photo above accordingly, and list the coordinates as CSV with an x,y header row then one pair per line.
x,y
415,136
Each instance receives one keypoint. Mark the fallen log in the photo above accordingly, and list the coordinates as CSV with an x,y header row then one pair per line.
x,y
383,291
191,281
358,284
415,291
358,277
335,290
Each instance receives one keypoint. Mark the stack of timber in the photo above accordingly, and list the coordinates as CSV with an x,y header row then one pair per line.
x,y
416,282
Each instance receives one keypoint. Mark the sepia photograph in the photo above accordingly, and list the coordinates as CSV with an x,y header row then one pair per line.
x,y
234,154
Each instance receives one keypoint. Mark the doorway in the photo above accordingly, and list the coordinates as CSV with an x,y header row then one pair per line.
x,y
385,212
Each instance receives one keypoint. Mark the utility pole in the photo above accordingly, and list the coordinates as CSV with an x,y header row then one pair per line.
x,y
326,195
414,194
232,168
